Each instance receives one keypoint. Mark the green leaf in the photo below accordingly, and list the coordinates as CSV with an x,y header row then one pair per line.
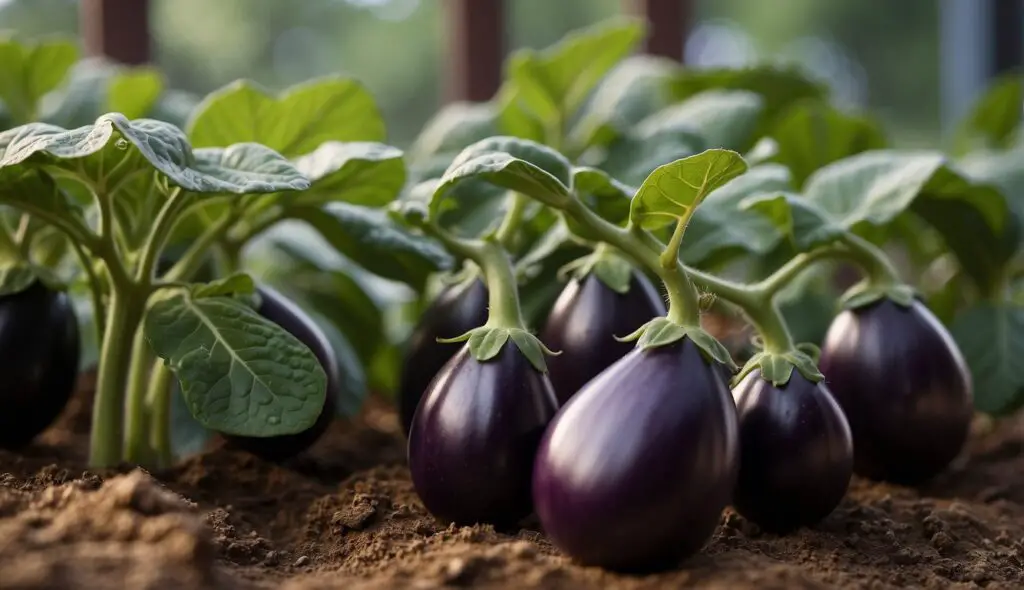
x,y
515,119
95,152
720,229
294,122
28,72
240,373
797,218
372,240
991,337
614,271
674,191
873,188
516,164
764,150
812,134
723,118
995,118
360,173
133,92
454,127
16,278
238,283
555,82
632,157
606,196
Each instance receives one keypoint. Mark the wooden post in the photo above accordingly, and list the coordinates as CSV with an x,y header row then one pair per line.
x,y
669,22
116,29
476,48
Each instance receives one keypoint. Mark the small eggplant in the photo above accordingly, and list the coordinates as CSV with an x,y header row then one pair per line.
x,y
904,388
796,452
277,308
456,310
584,322
474,437
39,356
634,471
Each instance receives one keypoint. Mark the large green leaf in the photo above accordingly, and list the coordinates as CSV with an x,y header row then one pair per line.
x,y
293,123
633,156
134,92
723,118
28,72
371,239
995,118
674,190
454,127
240,373
812,134
799,219
991,337
720,229
363,173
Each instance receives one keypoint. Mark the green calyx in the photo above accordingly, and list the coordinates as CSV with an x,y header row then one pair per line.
x,y
663,331
777,367
866,293
609,267
486,342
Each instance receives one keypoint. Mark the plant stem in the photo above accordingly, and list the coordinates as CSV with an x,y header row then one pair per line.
x,y
162,227
158,400
96,290
875,263
510,224
123,316
192,259
136,439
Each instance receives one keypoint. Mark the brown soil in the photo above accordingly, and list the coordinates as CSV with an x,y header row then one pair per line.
x,y
346,516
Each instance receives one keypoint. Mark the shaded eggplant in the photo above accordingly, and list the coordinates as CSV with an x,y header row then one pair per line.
x,y
474,437
904,388
456,310
796,452
583,324
39,356
634,471
282,311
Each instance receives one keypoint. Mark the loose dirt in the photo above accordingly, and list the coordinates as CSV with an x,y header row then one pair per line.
x,y
345,515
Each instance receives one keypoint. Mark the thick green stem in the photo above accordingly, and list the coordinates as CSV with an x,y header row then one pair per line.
x,y
189,263
506,233
875,263
162,227
158,400
769,323
123,317
139,421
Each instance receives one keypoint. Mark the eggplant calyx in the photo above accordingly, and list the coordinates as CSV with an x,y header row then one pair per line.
x,y
486,342
777,367
19,277
663,331
604,263
864,294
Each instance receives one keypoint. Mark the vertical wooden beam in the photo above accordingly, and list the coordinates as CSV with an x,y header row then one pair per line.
x,y
116,29
476,48
669,22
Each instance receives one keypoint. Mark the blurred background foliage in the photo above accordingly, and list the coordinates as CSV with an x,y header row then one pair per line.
x,y
863,49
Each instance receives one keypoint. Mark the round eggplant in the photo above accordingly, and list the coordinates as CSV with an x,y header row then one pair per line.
x,y
796,453
474,437
634,471
456,310
277,308
39,356
904,388
584,322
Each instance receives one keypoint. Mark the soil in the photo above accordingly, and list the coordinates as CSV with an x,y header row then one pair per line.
x,y
345,515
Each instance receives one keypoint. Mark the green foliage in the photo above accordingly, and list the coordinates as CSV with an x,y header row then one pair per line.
x,y
673,191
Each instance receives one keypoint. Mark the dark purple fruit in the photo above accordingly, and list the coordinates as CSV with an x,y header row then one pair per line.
x,y
796,453
584,322
634,471
474,437
39,355
456,310
904,388
277,308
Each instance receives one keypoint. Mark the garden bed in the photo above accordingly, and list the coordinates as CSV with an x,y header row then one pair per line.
x,y
345,515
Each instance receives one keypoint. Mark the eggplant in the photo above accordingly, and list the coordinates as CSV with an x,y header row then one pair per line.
x,y
904,387
474,437
456,310
583,324
285,313
796,452
634,471
39,356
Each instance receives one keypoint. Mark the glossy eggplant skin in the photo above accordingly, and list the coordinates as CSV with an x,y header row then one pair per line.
x,y
39,356
634,471
904,388
456,310
583,324
474,437
282,311
796,453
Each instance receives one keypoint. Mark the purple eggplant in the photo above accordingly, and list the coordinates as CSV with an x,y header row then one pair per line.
x,y
796,453
584,322
634,471
282,311
39,354
456,310
904,388
474,437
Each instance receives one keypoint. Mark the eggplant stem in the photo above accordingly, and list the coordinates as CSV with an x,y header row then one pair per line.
x,y
158,402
